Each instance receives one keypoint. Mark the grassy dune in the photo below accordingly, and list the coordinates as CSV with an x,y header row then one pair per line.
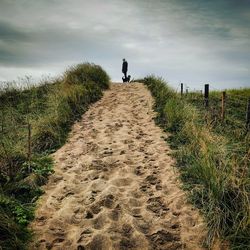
x,y
47,111
213,157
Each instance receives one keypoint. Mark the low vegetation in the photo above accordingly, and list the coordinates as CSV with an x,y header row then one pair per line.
x,y
35,121
213,156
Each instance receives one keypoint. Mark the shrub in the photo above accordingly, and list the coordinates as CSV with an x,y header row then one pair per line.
x,y
87,72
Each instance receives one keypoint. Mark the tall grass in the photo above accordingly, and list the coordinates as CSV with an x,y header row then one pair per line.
x,y
49,110
214,168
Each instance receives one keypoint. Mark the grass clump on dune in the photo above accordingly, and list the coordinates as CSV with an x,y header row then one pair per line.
x,y
85,73
48,110
214,167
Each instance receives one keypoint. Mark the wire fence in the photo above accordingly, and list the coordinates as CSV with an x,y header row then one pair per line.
x,y
220,104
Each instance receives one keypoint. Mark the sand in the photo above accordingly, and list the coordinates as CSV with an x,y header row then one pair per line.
x,y
115,184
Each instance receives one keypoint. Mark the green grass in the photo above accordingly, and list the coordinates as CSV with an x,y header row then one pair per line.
x,y
233,127
49,110
213,157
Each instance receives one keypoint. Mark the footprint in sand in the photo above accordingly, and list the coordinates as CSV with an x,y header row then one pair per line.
x,y
115,213
85,236
121,182
100,221
163,239
157,206
139,171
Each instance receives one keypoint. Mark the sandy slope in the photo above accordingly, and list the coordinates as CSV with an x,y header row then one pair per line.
x,y
114,185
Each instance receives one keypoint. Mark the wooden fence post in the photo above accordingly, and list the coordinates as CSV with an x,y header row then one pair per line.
x,y
223,102
2,119
206,95
29,142
181,89
248,115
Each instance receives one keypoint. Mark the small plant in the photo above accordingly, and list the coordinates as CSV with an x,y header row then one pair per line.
x,y
18,211
40,165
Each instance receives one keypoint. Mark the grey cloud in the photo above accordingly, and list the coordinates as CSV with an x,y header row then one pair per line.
x,y
52,45
190,41
11,33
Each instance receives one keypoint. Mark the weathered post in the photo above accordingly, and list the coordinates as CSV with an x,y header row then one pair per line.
x,y
29,142
223,102
181,89
206,95
248,115
2,119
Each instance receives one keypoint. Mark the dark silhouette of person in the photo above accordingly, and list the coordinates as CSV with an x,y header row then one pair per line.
x,y
125,68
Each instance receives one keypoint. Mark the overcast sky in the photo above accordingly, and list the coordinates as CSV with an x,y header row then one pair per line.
x,y
190,41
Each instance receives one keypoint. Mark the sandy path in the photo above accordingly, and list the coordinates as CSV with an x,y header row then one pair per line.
x,y
114,185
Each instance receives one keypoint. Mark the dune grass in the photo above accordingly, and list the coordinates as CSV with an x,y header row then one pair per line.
x,y
48,110
213,158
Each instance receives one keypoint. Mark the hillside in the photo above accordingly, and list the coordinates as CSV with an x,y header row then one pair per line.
x,y
35,121
212,155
